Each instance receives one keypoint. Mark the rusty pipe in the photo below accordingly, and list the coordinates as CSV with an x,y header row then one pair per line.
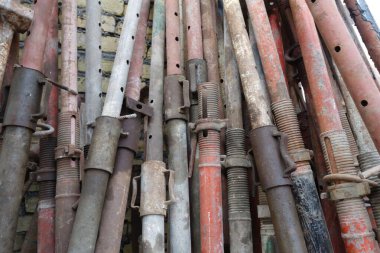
x,y
67,153
338,40
239,213
115,203
176,105
354,221
102,152
196,72
268,158
24,101
46,174
304,189
367,28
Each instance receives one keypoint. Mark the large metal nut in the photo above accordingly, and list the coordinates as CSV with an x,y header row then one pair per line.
x,y
301,155
348,191
104,144
236,161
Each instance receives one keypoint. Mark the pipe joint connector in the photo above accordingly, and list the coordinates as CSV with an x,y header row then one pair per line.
x,y
153,188
104,144
176,98
28,98
270,157
130,138
348,191
196,72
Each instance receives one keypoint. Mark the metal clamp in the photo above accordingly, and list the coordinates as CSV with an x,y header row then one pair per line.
x,y
208,124
176,97
290,165
301,155
153,189
236,161
137,106
65,151
45,175
28,98
348,191
104,142
196,73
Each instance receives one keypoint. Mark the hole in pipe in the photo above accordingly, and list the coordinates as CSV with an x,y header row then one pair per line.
x,y
139,106
364,103
121,89
337,49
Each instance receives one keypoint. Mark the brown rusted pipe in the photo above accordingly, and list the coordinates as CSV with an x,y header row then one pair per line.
x,y
354,221
307,199
115,203
193,29
19,125
269,158
47,170
367,27
68,188
361,85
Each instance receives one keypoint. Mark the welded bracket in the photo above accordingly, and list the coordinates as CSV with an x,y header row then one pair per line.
x,y
176,98
196,73
301,155
153,188
64,151
139,107
208,124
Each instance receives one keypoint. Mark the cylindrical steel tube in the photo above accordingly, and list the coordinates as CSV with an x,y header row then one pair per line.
x,y
306,195
119,76
115,203
338,40
16,138
68,187
259,114
153,236
93,80
367,27
86,225
199,75
239,215
46,204
176,126
354,220
211,220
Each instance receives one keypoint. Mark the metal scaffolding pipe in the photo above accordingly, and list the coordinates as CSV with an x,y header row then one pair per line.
x,y
115,203
306,194
46,175
368,156
67,152
93,80
354,221
239,213
153,187
176,104
367,28
102,153
342,48
19,124
268,158
196,72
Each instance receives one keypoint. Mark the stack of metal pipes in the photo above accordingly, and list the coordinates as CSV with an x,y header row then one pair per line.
x,y
258,129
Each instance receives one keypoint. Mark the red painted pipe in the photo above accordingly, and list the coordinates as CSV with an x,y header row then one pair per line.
x,y
46,207
351,65
354,221
274,20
